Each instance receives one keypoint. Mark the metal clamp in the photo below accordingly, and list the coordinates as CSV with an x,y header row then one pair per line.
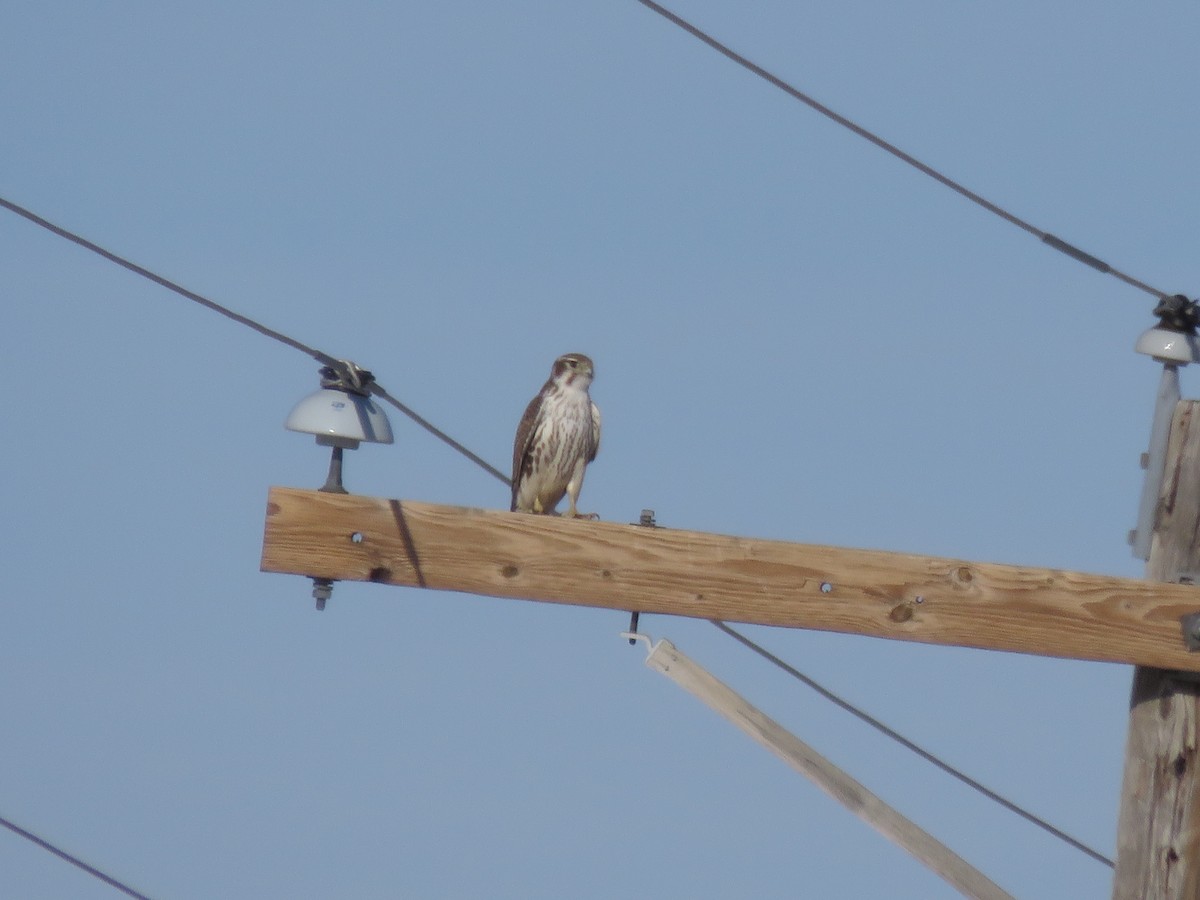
x,y
347,376
635,636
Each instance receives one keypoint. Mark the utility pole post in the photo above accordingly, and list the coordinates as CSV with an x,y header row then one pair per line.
x,y
1158,838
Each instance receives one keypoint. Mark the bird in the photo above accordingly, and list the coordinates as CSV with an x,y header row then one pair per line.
x,y
557,437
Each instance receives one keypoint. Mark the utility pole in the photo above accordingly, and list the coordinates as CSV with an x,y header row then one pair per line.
x,y
1158,839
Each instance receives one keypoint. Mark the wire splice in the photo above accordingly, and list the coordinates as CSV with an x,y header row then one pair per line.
x,y
1075,253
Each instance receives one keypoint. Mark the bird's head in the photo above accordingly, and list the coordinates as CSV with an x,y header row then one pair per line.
x,y
573,370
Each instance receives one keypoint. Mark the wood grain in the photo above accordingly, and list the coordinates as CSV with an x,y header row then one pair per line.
x,y
737,579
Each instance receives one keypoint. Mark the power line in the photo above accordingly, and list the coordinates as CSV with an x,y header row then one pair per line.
x,y
1050,240
33,217
379,392
73,860
324,358
915,748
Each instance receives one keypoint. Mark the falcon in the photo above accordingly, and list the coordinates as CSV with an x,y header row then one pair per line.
x,y
558,436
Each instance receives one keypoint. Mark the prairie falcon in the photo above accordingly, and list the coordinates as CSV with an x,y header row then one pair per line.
x,y
558,436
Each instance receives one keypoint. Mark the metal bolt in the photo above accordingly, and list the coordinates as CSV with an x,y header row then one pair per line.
x,y
646,520
322,591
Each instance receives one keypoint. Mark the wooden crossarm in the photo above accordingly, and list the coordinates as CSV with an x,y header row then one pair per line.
x,y
1048,612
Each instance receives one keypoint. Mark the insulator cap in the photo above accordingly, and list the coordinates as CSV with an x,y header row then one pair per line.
x,y
340,419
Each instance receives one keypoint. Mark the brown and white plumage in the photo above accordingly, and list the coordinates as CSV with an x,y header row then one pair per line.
x,y
558,436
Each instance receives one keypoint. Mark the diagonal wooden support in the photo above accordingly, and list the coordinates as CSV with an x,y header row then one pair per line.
x,y
666,658
1050,612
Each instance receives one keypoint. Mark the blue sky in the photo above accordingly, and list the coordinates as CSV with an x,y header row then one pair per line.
x,y
795,337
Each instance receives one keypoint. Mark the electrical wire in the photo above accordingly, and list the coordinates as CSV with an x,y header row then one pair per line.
x,y
73,860
915,748
324,358
1050,240
33,217
379,392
